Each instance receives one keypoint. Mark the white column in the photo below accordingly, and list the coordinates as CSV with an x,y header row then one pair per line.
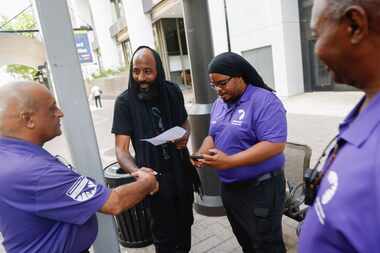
x,y
140,27
218,26
102,18
287,52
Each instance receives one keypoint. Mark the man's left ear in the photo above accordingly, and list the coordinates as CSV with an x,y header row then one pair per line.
x,y
27,120
357,23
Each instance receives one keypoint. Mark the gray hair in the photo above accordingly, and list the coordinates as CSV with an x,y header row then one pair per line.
x,y
372,7
15,93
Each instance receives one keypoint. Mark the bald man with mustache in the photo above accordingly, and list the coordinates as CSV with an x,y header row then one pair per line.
x,y
45,206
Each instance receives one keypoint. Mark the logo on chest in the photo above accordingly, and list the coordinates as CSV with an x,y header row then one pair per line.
x,y
239,121
327,195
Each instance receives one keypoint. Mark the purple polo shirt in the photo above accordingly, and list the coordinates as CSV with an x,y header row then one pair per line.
x,y
257,116
346,214
45,207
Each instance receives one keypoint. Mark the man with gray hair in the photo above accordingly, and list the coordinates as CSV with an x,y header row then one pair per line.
x,y
45,206
345,214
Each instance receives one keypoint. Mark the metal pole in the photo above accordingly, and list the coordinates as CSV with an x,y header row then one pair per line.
x,y
200,50
67,80
227,26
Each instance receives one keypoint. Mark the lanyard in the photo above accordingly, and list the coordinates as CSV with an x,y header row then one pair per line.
x,y
338,145
316,166
313,177
331,158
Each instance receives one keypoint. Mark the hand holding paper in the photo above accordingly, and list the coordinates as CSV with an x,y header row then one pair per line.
x,y
171,134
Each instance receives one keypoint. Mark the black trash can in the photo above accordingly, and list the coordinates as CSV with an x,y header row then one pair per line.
x,y
133,225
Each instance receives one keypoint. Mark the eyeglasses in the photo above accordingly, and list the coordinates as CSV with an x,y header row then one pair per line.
x,y
221,83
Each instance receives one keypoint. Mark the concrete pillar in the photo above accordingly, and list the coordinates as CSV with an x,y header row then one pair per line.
x,y
102,17
217,20
140,27
287,51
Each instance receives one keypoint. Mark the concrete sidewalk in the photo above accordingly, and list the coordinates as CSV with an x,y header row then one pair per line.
x,y
313,119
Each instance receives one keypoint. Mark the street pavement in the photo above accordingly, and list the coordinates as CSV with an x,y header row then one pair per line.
x,y
313,119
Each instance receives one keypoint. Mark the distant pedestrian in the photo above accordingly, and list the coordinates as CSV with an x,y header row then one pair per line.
x,y
96,92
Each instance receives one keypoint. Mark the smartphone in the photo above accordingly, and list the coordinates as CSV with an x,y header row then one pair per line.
x,y
196,157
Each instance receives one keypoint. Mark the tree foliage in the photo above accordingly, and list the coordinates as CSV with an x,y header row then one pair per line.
x,y
23,71
24,21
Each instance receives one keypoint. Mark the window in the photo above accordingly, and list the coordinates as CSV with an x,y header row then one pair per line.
x,y
127,51
171,36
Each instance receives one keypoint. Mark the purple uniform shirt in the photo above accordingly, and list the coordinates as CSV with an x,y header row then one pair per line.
x,y
257,116
44,205
345,217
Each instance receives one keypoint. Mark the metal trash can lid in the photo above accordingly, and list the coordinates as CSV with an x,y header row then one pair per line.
x,y
114,171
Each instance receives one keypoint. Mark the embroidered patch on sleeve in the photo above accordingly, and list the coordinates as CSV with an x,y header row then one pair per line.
x,y
83,189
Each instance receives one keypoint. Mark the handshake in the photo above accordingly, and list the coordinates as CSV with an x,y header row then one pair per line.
x,y
148,178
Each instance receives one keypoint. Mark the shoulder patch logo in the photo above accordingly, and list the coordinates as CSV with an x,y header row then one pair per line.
x,y
83,189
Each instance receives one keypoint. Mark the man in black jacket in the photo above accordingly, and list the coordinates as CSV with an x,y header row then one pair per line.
x,y
150,106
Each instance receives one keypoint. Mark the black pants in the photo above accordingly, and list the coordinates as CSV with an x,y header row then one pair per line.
x,y
172,218
255,213
98,102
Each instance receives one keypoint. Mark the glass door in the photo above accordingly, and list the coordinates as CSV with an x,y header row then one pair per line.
x,y
316,76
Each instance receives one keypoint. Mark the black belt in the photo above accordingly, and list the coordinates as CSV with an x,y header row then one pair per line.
x,y
255,181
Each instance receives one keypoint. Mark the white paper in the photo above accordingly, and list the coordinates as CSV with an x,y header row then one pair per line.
x,y
171,134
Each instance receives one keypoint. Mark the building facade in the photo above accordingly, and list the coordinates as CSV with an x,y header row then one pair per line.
x,y
273,35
